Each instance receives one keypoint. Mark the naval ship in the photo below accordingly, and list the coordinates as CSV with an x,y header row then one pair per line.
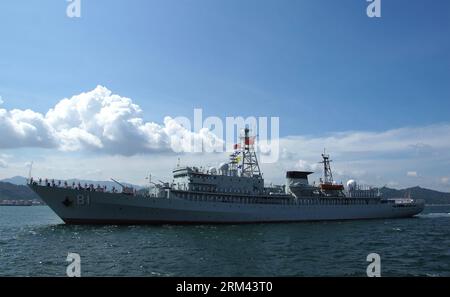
x,y
233,192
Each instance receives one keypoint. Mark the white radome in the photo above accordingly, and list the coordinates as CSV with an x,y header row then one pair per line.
x,y
351,184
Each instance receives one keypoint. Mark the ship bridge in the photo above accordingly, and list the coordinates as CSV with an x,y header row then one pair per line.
x,y
221,181
240,175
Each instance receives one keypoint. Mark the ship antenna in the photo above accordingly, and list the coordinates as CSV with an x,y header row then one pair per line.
x,y
327,174
149,184
250,166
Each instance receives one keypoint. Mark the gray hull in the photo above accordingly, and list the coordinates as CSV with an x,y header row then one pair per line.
x,y
84,207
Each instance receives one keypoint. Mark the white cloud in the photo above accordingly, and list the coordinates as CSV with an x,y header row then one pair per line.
x,y
1,100
373,157
95,120
101,121
445,180
21,128
411,140
3,160
3,164
411,174
306,166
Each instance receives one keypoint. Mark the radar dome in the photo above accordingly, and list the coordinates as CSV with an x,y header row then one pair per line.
x,y
351,184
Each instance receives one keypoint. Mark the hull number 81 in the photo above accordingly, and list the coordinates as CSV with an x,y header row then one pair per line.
x,y
83,200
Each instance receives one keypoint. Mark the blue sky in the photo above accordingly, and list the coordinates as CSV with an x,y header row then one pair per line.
x,y
322,66
289,58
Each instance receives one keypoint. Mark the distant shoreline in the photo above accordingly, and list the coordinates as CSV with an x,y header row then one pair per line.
x,y
20,202
26,205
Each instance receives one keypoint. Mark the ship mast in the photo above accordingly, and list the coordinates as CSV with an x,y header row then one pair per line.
x,y
327,183
327,174
249,166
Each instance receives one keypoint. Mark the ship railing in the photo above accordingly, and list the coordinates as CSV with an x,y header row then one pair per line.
x,y
78,186
279,200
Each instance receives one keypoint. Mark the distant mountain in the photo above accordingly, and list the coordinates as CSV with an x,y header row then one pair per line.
x,y
430,196
9,191
15,188
16,180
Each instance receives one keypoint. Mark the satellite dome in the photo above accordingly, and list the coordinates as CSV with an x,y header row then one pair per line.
x,y
351,184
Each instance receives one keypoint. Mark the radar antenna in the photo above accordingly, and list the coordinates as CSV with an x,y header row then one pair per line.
x,y
327,174
250,166
327,184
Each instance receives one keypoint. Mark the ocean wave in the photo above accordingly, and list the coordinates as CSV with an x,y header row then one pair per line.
x,y
435,215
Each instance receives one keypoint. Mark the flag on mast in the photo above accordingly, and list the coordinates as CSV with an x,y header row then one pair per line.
x,y
250,140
